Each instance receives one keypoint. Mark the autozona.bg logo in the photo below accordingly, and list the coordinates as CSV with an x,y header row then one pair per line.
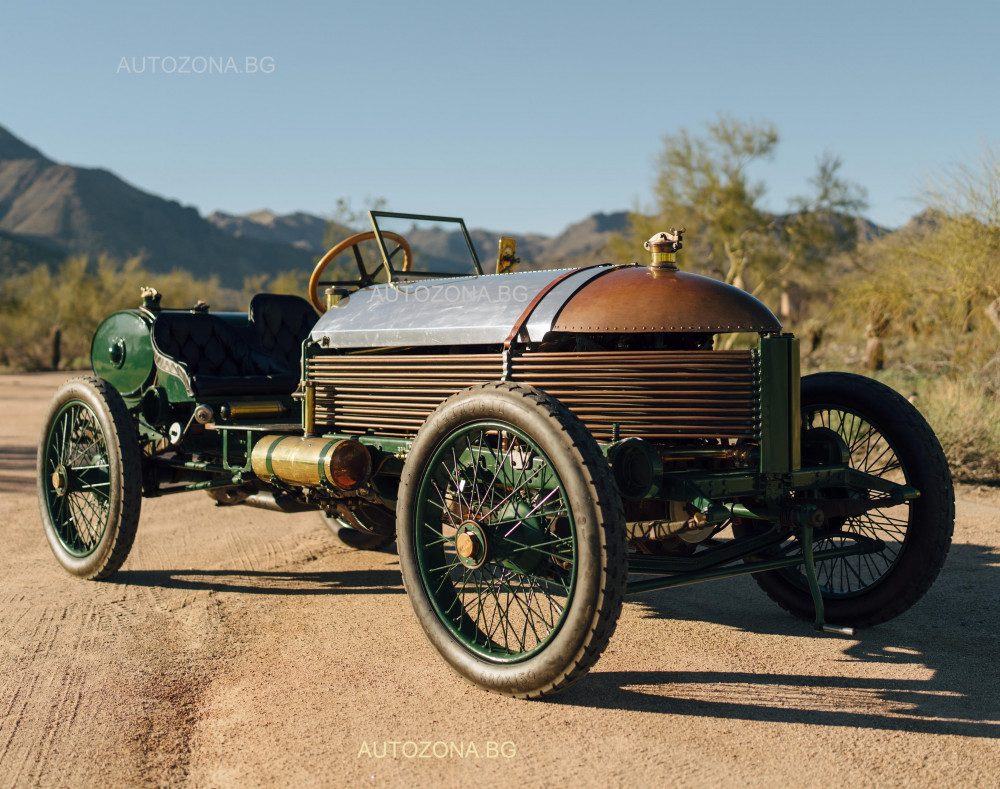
x,y
450,294
198,64
437,749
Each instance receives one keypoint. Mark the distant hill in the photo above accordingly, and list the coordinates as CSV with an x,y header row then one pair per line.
x,y
13,148
77,210
49,210
579,244
18,254
301,230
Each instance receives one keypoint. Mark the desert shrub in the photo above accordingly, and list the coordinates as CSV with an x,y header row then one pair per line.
x,y
933,287
963,410
966,417
75,297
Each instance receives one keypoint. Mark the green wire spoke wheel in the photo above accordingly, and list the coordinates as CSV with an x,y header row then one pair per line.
x,y
881,434
89,478
511,540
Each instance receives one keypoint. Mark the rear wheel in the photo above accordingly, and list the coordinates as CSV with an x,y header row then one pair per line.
x,y
511,540
89,478
885,436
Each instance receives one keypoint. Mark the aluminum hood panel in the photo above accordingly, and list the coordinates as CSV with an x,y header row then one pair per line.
x,y
454,311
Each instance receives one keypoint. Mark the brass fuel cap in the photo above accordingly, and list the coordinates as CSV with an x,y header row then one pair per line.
x,y
663,246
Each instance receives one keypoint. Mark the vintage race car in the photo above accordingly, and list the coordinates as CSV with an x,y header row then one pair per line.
x,y
538,443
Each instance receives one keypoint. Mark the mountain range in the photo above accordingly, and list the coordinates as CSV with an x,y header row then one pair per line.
x,y
50,210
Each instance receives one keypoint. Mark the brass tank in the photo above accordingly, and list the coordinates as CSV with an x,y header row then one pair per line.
x,y
345,464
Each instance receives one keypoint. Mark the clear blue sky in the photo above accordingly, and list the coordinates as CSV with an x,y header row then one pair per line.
x,y
521,116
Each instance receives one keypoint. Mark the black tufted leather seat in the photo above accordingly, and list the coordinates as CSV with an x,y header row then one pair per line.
x,y
213,358
280,324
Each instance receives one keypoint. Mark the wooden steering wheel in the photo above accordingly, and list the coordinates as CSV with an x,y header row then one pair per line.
x,y
366,277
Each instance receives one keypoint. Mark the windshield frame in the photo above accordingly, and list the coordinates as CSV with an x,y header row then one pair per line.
x,y
395,275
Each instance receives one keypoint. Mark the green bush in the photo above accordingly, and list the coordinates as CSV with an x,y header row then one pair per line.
x,y
75,296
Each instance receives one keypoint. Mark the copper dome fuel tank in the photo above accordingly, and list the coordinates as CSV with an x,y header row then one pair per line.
x,y
641,299
659,298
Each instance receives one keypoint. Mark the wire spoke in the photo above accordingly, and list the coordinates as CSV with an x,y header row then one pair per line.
x,y
872,453
509,596
78,493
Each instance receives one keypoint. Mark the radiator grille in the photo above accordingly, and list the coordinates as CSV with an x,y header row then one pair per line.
x,y
657,395
392,395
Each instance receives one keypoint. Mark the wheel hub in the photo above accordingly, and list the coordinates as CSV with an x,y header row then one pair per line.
x,y
60,480
471,545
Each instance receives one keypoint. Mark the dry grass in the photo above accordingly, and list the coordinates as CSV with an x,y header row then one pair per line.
x,y
965,414
76,296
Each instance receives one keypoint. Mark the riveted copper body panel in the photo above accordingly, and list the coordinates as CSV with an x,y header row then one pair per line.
x,y
639,299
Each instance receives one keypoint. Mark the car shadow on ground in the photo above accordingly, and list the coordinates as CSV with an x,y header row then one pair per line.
x,y
951,637
267,582
912,706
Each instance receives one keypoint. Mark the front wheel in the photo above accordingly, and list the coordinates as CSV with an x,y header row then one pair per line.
x,y
884,436
89,478
511,540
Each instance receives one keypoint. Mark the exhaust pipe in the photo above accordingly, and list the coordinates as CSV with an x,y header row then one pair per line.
x,y
265,500
262,499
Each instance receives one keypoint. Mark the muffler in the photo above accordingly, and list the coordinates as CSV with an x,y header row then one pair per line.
x,y
344,464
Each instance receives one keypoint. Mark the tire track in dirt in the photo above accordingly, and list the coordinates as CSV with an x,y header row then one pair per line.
x,y
63,690
62,717
103,654
40,636
12,723
203,644
171,694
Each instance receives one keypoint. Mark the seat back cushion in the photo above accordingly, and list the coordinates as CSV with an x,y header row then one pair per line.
x,y
204,343
212,357
281,323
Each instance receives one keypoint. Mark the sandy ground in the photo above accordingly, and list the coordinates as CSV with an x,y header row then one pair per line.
x,y
244,648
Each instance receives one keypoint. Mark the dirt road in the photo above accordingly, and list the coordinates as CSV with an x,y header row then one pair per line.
x,y
241,648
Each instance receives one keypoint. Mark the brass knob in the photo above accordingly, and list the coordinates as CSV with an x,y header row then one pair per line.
x,y
465,545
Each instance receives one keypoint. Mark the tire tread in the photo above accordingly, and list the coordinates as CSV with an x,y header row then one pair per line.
x,y
122,440
582,448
